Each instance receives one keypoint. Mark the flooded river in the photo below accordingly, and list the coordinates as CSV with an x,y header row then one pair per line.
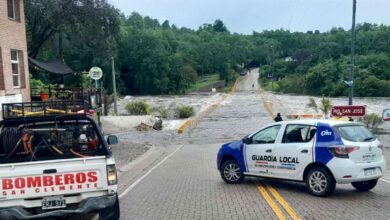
x,y
238,114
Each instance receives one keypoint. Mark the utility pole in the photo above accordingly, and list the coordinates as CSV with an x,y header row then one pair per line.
x,y
272,65
114,85
352,53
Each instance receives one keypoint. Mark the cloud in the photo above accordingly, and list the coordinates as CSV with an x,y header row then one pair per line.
x,y
245,16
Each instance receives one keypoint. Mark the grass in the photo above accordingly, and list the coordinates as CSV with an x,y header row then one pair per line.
x,y
185,111
204,81
138,108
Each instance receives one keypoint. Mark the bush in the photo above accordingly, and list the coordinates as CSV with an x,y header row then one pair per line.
x,y
289,84
36,83
164,113
138,108
372,121
272,86
185,111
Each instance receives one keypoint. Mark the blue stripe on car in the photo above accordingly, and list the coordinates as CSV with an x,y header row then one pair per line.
x,y
235,150
326,137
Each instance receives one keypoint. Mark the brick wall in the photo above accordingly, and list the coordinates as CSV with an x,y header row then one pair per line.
x,y
13,36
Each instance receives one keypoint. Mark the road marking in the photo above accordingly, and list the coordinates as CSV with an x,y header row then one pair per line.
x,y
128,189
271,202
384,180
283,203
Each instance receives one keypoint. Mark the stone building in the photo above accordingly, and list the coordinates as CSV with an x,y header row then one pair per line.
x,y
14,77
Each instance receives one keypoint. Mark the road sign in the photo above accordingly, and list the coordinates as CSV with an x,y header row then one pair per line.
x,y
386,115
349,111
95,73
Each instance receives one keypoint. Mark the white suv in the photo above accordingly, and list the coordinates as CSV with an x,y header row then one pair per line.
x,y
318,152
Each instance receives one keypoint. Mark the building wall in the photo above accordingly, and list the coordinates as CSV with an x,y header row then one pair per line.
x,y
13,36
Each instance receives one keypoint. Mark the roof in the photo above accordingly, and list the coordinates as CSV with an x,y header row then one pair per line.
x,y
314,121
54,66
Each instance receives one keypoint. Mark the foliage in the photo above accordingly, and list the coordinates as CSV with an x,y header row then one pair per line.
x,y
312,104
204,81
87,81
138,108
164,113
321,60
185,111
289,84
272,86
36,83
92,22
82,32
372,121
325,105
37,86
159,58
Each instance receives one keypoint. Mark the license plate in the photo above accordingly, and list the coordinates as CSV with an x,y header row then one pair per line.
x,y
370,172
53,203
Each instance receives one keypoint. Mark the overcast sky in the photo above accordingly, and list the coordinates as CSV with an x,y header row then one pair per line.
x,y
245,16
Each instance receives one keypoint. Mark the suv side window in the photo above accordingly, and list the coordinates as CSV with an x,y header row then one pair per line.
x,y
266,136
298,133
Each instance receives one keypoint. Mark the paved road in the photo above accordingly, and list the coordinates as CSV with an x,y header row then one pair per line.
x,y
187,185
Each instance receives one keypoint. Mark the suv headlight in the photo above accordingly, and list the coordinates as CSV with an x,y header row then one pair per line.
x,y
112,178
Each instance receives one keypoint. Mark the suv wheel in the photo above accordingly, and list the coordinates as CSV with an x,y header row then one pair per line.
x,y
231,173
365,185
320,182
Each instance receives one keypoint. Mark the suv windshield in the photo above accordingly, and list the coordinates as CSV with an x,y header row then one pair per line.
x,y
23,142
355,133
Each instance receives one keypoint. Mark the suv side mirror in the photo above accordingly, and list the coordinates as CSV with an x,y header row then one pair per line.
x,y
247,140
112,139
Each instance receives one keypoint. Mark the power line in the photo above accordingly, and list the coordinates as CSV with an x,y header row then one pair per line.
x,y
294,13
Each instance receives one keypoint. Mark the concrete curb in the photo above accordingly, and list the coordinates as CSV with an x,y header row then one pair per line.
x,y
182,127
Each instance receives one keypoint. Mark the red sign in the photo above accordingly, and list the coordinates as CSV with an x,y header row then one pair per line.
x,y
349,111
386,115
49,183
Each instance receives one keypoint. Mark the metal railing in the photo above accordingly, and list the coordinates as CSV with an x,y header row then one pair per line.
x,y
51,93
42,109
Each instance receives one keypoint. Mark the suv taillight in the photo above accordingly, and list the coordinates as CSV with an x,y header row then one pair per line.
x,y
342,151
112,178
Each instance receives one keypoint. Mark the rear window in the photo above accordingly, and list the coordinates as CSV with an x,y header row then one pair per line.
x,y
355,133
49,141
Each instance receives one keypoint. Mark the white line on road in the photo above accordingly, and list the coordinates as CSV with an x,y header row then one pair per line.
x,y
387,181
128,189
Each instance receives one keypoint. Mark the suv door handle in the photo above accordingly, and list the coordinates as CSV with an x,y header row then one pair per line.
x,y
304,151
268,151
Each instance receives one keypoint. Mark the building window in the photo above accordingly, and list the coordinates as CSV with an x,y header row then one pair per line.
x,y
13,9
15,68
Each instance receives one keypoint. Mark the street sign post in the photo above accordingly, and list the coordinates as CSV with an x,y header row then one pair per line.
x,y
96,74
349,111
386,115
